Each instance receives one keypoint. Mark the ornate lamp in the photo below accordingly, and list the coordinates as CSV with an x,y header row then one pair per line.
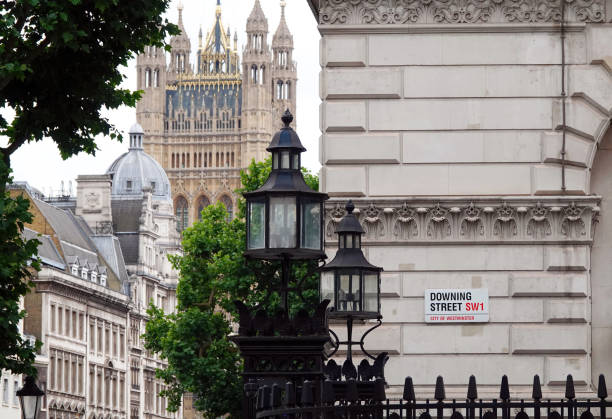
x,y
30,398
352,284
285,217
349,281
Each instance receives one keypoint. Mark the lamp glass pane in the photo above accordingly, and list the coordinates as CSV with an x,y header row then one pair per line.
x,y
311,225
370,300
356,285
344,292
296,161
282,222
284,160
257,225
275,160
349,241
327,287
29,405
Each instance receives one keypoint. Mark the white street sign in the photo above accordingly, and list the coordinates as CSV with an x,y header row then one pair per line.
x,y
457,305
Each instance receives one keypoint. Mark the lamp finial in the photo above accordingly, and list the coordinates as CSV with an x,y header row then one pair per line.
x,y
350,207
287,118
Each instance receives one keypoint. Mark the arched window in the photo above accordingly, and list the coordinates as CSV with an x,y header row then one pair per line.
x,y
227,159
156,78
203,202
254,74
262,74
188,160
222,159
205,159
181,211
279,89
172,160
183,162
288,90
232,159
227,201
147,78
217,160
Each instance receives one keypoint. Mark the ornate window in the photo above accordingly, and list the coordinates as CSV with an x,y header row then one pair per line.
x,y
203,202
181,209
227,201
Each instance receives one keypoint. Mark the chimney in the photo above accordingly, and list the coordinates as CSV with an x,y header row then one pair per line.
x,y
94,202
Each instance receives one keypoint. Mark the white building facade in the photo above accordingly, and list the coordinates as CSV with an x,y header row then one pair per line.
x,y
474,139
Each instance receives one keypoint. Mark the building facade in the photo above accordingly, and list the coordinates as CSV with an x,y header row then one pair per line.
x,y
474,139
206,120
104,257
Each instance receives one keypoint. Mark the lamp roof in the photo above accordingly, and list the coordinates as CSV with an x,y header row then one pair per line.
x,y
30,388
349,224
286,138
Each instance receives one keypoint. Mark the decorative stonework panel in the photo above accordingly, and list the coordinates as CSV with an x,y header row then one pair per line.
x,y
355,12
492,221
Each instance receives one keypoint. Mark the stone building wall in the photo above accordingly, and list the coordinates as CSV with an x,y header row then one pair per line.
x,y
444,122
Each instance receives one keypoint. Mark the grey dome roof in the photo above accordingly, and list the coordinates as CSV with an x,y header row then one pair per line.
x,y
136,129
136,169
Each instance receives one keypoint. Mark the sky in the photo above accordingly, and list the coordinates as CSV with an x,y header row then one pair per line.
x,y
40,163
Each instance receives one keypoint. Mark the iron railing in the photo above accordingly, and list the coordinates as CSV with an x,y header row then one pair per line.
x,y
354,400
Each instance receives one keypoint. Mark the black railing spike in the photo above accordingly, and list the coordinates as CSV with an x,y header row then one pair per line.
x,y
267,397
379,390
602,391
352,394
328,396
439,395
504,391
570,393
536,393
260,399
409,390
289,397
472,393
277,395
307,396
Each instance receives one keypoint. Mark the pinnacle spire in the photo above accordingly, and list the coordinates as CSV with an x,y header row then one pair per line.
x,y
282,36
257,21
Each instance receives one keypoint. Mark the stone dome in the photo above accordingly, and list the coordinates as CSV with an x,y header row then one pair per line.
x,y
135,170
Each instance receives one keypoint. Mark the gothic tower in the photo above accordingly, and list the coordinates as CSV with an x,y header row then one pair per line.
x,y
257,115
284,71
151,79
181,49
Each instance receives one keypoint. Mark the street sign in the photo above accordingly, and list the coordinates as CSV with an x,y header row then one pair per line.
x,y
457,305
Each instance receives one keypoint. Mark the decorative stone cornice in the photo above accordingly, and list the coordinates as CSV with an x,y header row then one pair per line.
x,y
382,12
540,219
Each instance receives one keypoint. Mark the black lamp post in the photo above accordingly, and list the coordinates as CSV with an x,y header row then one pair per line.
x,y
30,397
285,217
349,281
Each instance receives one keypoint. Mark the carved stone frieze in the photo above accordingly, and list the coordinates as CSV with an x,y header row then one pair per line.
x,y
490,221
355,12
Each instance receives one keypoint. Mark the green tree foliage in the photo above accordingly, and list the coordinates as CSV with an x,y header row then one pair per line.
x,y
16,265
213,274
59,68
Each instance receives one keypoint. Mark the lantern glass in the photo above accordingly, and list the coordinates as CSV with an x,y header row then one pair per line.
x,y
284,160
296,161
30,406
349,293
274,160
282,222
327,287
257,225
311,225
370,292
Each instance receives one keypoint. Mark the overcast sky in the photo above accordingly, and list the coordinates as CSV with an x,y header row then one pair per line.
x,y
41,165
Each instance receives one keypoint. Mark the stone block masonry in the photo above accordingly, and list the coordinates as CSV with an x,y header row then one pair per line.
x,y
470,169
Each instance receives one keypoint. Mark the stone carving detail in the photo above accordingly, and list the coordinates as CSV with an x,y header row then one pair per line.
x,y
405,223
457,11
538,225
372,223
550,221
439,226
572,225
471,225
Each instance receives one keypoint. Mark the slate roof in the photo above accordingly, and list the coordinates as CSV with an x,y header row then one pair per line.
x,y
126,215
47,252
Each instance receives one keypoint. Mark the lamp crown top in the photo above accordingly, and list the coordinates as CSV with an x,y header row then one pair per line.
x,y
287,118
350,207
